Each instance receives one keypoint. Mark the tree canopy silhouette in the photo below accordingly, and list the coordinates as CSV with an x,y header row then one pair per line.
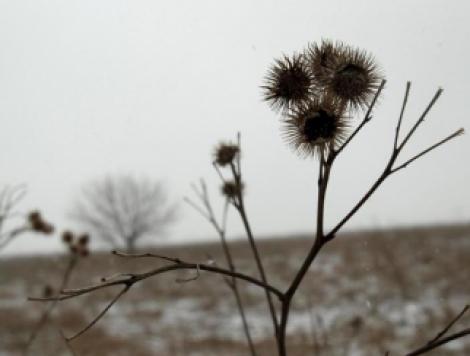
x,y
123,210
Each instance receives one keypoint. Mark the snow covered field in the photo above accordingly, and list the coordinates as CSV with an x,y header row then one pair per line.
x,y
368,292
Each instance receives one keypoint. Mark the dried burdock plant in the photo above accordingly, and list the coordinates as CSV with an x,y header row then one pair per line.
x,y
354,78
77,248
348,73
10,197
316,127
318,92
321,59
225,153
230,190
288,83
38,224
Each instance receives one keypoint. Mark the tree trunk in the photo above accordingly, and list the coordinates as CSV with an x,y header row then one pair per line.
x,y
130,245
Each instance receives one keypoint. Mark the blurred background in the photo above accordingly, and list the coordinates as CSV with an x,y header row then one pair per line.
x,y
102,98
103,88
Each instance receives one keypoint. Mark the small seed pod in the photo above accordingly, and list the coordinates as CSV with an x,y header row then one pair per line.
x,y
315,128
322,59
231,189
67,237
225,153
83,240
355,78
288,83
38,224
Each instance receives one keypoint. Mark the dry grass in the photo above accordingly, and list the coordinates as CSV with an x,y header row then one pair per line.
x,y
366,293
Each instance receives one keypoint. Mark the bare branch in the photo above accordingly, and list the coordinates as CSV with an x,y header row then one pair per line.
x,y
197,208
45,316
389,170
366,119
440,342
400,119
219,173
142,255
421,119
67,344
184,280
429,149
101,314
11,235
209,215
137,277
447,328
240,206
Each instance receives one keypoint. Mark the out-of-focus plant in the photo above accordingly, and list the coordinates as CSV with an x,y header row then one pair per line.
x,y
318,92
225,153
123,210
78,247
10,197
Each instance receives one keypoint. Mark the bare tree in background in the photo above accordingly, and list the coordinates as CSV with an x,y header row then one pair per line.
x,y
122,210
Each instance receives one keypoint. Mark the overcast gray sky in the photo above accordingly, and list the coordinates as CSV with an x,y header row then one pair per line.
x,y
89,88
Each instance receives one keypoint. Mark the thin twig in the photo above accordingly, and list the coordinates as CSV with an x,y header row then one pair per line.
x,y
45,316
145,255
237,176
421,118
221,231
400,119
190,279
11,235
440,342
116,276
137,277
367,118
429,149
101,314
196,207
447,328
389,170
67,344
219,173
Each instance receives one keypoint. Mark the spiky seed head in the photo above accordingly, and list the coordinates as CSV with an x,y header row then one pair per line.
x,y
316,127
231,189
38,224
225,153
83,240
67,237
355,78
322,59
288,83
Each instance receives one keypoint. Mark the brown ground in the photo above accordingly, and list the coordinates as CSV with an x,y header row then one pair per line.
x,y
368,292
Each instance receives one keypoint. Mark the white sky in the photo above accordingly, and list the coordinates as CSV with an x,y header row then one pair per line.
x,y
89,88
